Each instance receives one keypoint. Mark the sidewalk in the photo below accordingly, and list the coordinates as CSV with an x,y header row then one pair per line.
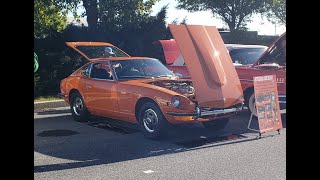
x,y
49,104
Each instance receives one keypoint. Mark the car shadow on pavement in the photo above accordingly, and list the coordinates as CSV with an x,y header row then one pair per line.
x,y
92,145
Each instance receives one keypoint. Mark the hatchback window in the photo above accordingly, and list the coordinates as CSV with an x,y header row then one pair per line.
x,y
101,51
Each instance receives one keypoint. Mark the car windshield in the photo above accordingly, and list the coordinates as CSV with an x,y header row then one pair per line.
x,y
246,56
141,68
276,54
101,51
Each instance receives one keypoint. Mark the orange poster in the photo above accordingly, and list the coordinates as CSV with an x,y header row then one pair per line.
x,y
267,103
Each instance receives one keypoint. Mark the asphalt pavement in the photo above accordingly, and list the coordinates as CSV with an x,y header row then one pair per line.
x,y
106,149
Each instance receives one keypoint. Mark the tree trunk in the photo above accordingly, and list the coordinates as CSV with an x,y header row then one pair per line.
x,y
232,26
92,14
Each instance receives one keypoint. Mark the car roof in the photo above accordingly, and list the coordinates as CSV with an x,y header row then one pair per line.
x,y
122,58
88,43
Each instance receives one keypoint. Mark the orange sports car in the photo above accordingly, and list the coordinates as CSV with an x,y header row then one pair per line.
x,y
142,90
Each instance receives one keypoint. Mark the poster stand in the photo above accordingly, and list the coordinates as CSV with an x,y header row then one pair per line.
x,y
266,104
257,130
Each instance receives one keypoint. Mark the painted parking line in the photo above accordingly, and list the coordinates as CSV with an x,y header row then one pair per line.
x,y
148,171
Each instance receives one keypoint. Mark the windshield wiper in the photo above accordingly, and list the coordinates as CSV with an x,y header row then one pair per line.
x,y
135,77
164,75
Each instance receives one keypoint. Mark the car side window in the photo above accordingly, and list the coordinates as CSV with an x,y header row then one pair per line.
x,y
101,71
86,71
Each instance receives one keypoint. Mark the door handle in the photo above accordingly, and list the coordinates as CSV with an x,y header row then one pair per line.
x,y
123,92
88,87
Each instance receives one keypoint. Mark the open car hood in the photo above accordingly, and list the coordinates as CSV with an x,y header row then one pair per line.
x,y
212,72
96,50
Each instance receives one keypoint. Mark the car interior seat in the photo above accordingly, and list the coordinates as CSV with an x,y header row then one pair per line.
x,y
101,74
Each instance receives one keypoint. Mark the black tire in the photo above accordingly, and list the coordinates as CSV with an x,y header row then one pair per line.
x,y
79,112
151,121
217,124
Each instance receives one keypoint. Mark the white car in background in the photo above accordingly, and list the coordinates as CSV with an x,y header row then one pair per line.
x,y
245,54
241,55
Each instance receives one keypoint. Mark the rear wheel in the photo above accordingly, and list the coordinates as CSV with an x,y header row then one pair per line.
x,y
78,108
252,105
217,124
151,121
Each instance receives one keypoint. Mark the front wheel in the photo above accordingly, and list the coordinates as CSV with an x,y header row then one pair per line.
x,y
217,124
151,121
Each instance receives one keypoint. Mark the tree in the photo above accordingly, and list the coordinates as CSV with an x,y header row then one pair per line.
x,y
137,36
114,11
276,11
50,16
91,7
236,13
47,18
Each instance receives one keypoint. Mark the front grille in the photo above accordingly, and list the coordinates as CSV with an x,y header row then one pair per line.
x,y
230,107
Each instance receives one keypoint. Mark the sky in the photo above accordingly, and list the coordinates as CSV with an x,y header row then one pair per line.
x,y
261,25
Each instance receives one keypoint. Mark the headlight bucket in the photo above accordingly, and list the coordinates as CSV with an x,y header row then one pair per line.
x,y
176,101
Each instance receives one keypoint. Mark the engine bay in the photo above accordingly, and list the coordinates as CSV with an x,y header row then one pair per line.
x,y
182,87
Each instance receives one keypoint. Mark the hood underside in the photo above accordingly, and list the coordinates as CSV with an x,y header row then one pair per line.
x,y
213,74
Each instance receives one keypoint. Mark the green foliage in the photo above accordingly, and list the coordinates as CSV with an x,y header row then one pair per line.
x,y
50,16
124,14
276,11
117,12
46,98
235,13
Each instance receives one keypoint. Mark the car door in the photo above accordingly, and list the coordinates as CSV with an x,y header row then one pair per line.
x,y
99,90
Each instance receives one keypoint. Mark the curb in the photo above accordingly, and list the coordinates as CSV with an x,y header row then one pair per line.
x,y
50,104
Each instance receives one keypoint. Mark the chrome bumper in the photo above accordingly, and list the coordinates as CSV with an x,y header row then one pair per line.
x,y
209,112
217,112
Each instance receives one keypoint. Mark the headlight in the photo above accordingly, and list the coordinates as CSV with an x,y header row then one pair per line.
x,y
176,101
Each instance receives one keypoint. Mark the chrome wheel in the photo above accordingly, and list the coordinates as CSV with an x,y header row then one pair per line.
x,y
252,105
77,106
150,120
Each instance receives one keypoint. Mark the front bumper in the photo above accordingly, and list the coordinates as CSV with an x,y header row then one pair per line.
x,y
209,113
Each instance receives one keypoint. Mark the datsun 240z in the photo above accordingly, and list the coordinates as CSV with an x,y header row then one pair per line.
x,y
142,90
